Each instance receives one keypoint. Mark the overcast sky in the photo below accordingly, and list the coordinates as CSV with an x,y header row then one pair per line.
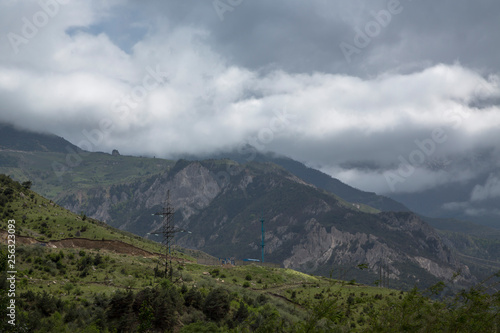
x,y
388,96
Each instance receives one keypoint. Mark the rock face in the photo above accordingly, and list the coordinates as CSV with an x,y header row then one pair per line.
x,y
342,248
305,228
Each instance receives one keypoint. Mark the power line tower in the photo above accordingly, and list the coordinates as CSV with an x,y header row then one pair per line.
x,y
167,230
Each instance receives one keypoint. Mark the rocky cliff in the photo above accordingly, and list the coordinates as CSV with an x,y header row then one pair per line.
x,y
306,228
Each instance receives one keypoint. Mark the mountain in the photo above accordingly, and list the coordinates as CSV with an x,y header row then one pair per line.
x,y
221,201
12,138
55,167
471,191
476,246
306,228
311,176
460,226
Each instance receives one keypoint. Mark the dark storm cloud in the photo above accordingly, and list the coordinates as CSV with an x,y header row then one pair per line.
x,y
171,77
304,36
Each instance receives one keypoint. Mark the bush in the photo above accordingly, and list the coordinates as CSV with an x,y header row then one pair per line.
x,y
201,327
193,298
216,304
241,314
68,287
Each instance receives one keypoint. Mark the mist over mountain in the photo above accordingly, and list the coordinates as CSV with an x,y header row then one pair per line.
x,y
364,91
12,138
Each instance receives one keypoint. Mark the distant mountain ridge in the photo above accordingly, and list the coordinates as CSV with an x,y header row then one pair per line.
x,y
332,232
314,177
12,138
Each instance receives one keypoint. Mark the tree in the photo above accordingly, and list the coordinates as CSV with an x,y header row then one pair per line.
x,y
27,184
241,314
146,317
216,304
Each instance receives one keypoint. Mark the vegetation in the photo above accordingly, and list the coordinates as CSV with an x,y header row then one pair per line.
x,y
117,187
62,290
99,290
51,174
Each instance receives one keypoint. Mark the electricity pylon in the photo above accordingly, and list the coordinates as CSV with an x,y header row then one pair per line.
x,y
168,230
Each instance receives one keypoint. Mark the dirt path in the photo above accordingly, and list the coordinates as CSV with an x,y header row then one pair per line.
x,y
83,243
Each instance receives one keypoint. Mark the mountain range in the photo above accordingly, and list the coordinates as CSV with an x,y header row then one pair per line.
x,y
313,223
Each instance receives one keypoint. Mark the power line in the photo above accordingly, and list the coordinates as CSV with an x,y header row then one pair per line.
x,y
167,230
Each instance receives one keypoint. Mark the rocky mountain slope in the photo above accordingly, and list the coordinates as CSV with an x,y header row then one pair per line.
x,y
306,228
311,176
221,202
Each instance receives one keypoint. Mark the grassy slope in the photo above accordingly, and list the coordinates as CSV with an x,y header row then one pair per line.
x,y
61,273
81,279
290,291
43,220
44,169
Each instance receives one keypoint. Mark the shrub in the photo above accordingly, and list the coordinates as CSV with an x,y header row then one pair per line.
x,y
193,298
216,304
241,314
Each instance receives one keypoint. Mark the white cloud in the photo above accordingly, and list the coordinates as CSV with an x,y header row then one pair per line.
x,y
66,79
491,189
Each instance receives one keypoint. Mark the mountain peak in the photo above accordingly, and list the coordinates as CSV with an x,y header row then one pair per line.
x,y
12,138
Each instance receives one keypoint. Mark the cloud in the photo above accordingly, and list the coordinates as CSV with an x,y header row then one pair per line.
x,y
271,74
469,210
491,189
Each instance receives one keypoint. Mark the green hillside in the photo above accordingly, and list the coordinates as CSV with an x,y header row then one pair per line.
x,y
53,173
104,290
42,220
